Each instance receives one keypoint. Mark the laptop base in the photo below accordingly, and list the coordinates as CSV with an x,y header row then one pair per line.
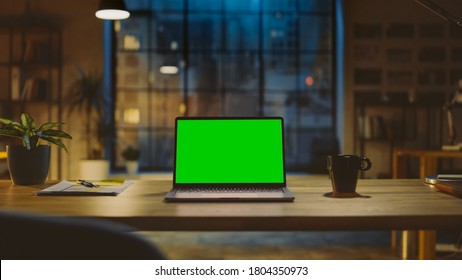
x,y
174,196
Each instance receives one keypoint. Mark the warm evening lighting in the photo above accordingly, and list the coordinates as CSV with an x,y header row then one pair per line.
x,y
309,81
131,116
168,70
112,10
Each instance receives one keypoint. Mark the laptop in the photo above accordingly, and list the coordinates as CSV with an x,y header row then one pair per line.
x,y
229,159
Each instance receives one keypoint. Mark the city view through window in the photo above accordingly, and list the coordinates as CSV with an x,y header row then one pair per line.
x,y
224,58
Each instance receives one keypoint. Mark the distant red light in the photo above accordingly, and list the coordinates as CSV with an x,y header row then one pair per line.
x,y
309,81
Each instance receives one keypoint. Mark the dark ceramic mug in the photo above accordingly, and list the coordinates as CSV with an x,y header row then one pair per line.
x,y
344,171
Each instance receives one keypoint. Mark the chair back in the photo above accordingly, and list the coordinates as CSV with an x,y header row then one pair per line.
x,y
31,236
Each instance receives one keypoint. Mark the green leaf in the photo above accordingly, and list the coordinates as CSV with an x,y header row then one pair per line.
x,y
5,121
30,136
15,126
27,121
55,141
55,133
49,125
10,132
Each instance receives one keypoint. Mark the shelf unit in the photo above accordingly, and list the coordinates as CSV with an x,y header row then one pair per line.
x,y
386,124
403,73
31,73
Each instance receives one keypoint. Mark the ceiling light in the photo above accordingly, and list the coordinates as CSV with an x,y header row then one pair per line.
x,y
112,9
168,70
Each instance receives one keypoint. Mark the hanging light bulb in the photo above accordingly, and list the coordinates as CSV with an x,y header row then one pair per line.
x,y
112,9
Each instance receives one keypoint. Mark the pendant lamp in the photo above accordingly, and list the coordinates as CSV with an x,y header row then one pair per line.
x,y
112,10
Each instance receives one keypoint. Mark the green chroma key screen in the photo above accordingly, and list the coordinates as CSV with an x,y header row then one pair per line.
x,y
229,151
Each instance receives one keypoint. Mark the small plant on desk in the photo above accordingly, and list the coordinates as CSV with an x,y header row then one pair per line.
x,y
30,135
29,162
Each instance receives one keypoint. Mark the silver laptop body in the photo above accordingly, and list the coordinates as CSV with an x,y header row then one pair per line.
x,y
229,159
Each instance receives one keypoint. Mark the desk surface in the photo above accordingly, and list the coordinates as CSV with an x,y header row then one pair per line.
x,y
393,204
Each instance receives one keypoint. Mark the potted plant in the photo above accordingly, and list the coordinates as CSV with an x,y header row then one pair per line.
x,y
131,155
29,162
86,96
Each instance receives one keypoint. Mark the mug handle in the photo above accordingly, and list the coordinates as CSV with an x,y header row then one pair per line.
x,y
368,164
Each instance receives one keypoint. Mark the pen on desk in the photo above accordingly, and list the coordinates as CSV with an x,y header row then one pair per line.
x,y
87,184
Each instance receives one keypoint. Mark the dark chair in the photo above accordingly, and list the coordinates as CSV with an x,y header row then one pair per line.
x,y
31,236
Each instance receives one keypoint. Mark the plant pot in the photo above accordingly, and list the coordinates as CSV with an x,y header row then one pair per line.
x,y
94,169
132,167
28,167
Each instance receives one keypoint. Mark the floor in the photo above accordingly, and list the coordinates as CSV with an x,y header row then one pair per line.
x,y
278,245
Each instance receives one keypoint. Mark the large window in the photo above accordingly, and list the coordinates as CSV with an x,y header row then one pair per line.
x,y
224,58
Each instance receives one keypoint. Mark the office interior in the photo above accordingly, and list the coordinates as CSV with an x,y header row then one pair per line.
x,y
348,76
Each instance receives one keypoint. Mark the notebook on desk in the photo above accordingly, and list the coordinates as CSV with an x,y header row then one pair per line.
x,y
229,159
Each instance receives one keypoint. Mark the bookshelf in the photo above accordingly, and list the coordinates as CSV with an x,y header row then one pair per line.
x,y
402,74
384,123
31,72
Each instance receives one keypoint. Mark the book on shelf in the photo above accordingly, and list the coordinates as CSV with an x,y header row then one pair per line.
x,y
372,127
35,89
27,89
455,147
36,52
29,51
15,83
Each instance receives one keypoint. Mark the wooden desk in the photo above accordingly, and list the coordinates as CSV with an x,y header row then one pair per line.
x,y
427,161
428,165
393,204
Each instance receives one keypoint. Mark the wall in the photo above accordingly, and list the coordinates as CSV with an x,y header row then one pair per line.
x,y
82,46
408,65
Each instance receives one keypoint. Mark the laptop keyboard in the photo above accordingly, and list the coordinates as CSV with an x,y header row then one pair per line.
x,y
211,189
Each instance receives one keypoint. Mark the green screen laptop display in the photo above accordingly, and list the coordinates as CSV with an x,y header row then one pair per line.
x,y
229,150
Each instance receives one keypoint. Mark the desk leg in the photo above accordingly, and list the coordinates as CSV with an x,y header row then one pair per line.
x,y
394,240
427,243
399,166
427,238
408,245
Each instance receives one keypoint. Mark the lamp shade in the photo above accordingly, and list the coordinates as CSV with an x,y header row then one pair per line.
x,y
112,9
